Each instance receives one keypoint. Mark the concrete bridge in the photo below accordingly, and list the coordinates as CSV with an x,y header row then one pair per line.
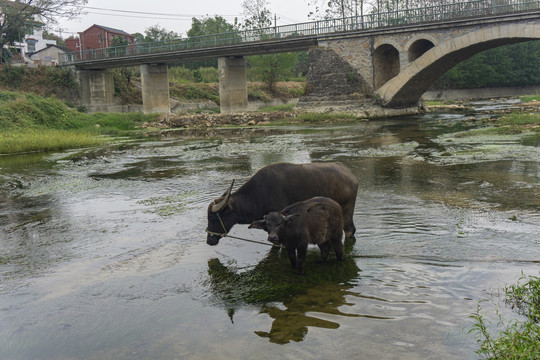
x,y
388,58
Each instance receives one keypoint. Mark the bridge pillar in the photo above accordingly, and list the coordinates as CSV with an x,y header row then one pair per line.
x,y
97,89
233,95
155,88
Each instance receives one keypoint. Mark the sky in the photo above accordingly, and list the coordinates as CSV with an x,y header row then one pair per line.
x,y
172,15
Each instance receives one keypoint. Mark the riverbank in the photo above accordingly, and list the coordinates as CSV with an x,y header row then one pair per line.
x,y
286,115
32,123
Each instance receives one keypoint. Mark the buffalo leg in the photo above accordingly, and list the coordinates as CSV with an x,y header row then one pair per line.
x,y
292,256
325,250
338,247
348,224
302,251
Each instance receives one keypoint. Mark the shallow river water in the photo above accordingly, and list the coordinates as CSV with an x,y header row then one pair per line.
x,y
103,252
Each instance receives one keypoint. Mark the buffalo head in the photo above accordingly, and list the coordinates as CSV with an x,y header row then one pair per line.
x,y
272,223
221,217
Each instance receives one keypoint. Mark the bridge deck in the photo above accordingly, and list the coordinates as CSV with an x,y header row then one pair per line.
x,y
297,37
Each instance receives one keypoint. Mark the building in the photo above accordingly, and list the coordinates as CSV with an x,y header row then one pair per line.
x,y
47,56
21,51
98,37
33,42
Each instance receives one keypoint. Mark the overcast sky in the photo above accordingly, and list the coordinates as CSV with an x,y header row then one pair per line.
x,y
136,16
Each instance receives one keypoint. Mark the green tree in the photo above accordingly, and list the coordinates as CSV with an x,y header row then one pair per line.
x,y
155,34
19,18
266,68
51,36
509,65
258,16
273,68
211,26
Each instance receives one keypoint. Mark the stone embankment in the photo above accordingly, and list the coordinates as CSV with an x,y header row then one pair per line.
x,y
216,120
201,121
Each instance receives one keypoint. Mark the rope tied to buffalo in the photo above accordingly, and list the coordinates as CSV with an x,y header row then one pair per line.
x,y
225,234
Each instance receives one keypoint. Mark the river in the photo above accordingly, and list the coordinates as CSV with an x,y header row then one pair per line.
x,y
103,252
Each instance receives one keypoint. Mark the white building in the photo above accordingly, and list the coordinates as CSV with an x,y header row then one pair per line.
x,y
33,43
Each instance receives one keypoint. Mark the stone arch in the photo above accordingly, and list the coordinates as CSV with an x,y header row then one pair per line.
x,y
385,64
419,48
405,89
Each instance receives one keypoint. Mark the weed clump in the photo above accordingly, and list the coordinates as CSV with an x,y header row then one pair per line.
x,y
517,339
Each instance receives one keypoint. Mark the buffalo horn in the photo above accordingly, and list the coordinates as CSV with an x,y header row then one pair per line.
x,y
219,206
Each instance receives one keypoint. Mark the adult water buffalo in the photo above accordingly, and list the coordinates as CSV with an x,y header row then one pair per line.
x,y
278,185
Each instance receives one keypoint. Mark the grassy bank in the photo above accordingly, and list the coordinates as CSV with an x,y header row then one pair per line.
x,y
509,124
33,123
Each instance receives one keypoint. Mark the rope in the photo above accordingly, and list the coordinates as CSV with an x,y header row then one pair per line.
x,y
225,234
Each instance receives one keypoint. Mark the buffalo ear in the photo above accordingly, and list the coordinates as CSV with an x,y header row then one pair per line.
x,y
288,218
259,224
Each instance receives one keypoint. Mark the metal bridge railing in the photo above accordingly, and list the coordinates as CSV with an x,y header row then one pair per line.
x,y
436,13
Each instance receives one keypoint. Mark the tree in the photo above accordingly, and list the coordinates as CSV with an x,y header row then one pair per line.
x,y
508,65
51,36
19,18
211,26
258,16
272,68
328,9
155,34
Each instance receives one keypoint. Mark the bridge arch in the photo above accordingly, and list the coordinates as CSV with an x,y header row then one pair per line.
x,y
385,64
407,87
419,48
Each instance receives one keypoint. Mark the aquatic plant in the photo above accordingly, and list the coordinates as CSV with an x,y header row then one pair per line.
x,y
167,205
517,339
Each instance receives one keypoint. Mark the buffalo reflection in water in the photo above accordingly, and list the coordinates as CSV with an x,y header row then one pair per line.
x,y
321,290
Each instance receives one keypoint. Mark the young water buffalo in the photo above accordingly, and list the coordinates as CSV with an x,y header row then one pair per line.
x,y
314,221
278,185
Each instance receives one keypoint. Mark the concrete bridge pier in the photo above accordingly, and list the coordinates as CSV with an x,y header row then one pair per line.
x,y
97,89
233,94
155,88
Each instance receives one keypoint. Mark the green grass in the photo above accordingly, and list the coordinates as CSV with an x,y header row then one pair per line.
x,y
510,124
188,91
519,119
286,107
28,140
322,117
518,338
439,102
34,123
530,98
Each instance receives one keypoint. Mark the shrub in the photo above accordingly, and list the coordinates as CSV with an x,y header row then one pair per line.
x,y
516,339
195,92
